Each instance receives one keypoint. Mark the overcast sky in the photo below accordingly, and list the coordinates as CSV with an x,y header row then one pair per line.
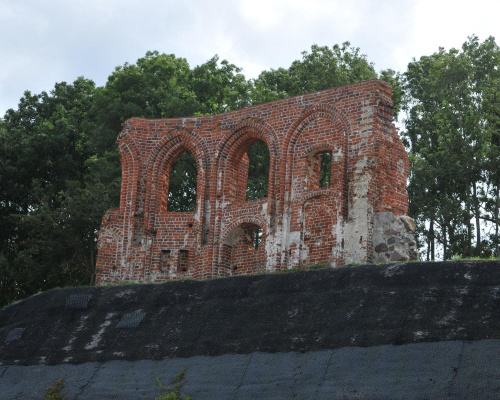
x,y
47,41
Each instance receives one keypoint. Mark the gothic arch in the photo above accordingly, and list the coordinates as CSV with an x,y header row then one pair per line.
x,y
130,154
164,154
243,248
244,220
317,110
294,156
235,144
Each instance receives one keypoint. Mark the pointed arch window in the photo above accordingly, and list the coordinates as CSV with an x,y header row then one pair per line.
x,y
325,169
182,183
258,171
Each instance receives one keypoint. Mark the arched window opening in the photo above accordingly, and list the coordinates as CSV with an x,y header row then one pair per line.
x,y
182,183
320,169
325,169
258,171
257,238
243,250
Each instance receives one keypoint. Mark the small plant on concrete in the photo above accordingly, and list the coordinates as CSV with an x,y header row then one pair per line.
x,y
173,392
54,391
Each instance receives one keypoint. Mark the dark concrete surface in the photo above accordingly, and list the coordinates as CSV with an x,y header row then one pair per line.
x,y
368,329
446,370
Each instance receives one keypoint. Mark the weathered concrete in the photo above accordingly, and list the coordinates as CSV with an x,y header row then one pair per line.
x,y
414,330
300,311
446,370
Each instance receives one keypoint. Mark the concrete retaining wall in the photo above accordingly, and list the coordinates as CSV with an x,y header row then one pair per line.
x,y
415,331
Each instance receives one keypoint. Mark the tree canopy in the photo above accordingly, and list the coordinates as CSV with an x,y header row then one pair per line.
x,y
452,133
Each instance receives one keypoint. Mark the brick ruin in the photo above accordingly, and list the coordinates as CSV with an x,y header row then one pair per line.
x,y
359,216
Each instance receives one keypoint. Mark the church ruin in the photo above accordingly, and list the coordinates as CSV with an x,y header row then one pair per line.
x,y
357,214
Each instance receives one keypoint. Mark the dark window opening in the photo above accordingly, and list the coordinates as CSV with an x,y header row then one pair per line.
x,y
325,170
182,184
183,260
257,238
258,171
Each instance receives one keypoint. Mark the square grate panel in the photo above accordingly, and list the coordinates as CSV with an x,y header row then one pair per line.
x,y
131,320
14,334
75,301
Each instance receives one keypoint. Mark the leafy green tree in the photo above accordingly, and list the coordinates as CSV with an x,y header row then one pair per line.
x,y
449,133
157,86
258,170
396,80
182,184
43,146
322,68
220,87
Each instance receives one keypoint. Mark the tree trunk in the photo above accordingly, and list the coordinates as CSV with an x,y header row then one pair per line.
x,y
497,205
431,240
445,249
478,222
468,250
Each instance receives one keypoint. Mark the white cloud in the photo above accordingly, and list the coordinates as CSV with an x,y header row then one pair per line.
x,y
44,42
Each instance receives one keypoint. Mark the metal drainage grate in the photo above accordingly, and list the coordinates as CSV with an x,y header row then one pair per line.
x,y
78,300
14,334
131,320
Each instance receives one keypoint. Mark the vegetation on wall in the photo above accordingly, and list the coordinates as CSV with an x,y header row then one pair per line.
x,y
60,168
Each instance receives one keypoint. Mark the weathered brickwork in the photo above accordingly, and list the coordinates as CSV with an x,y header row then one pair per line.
x,y
359,217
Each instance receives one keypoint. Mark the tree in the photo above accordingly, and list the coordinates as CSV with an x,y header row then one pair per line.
x,y
157,86
322,68
449,133
220,87
396,80
258,171
43,146
182,183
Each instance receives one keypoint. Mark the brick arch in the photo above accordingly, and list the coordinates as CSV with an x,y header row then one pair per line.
x,y
237,254
294,156
130,154
236,143
131,189
338,177
167,150
311,113
306,118
244,220
345,120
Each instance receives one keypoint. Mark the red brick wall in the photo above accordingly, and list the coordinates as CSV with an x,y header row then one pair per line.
x,y
303,223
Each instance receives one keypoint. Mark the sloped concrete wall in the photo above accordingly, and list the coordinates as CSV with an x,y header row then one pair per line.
x,y
446,370
416,331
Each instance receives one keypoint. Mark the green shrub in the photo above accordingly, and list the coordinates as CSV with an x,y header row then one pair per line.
x,y
54,392
173,392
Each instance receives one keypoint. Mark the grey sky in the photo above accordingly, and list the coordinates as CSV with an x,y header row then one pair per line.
x,y
47,41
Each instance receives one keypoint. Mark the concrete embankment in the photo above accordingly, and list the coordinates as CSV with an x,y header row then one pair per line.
x,y
416,331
